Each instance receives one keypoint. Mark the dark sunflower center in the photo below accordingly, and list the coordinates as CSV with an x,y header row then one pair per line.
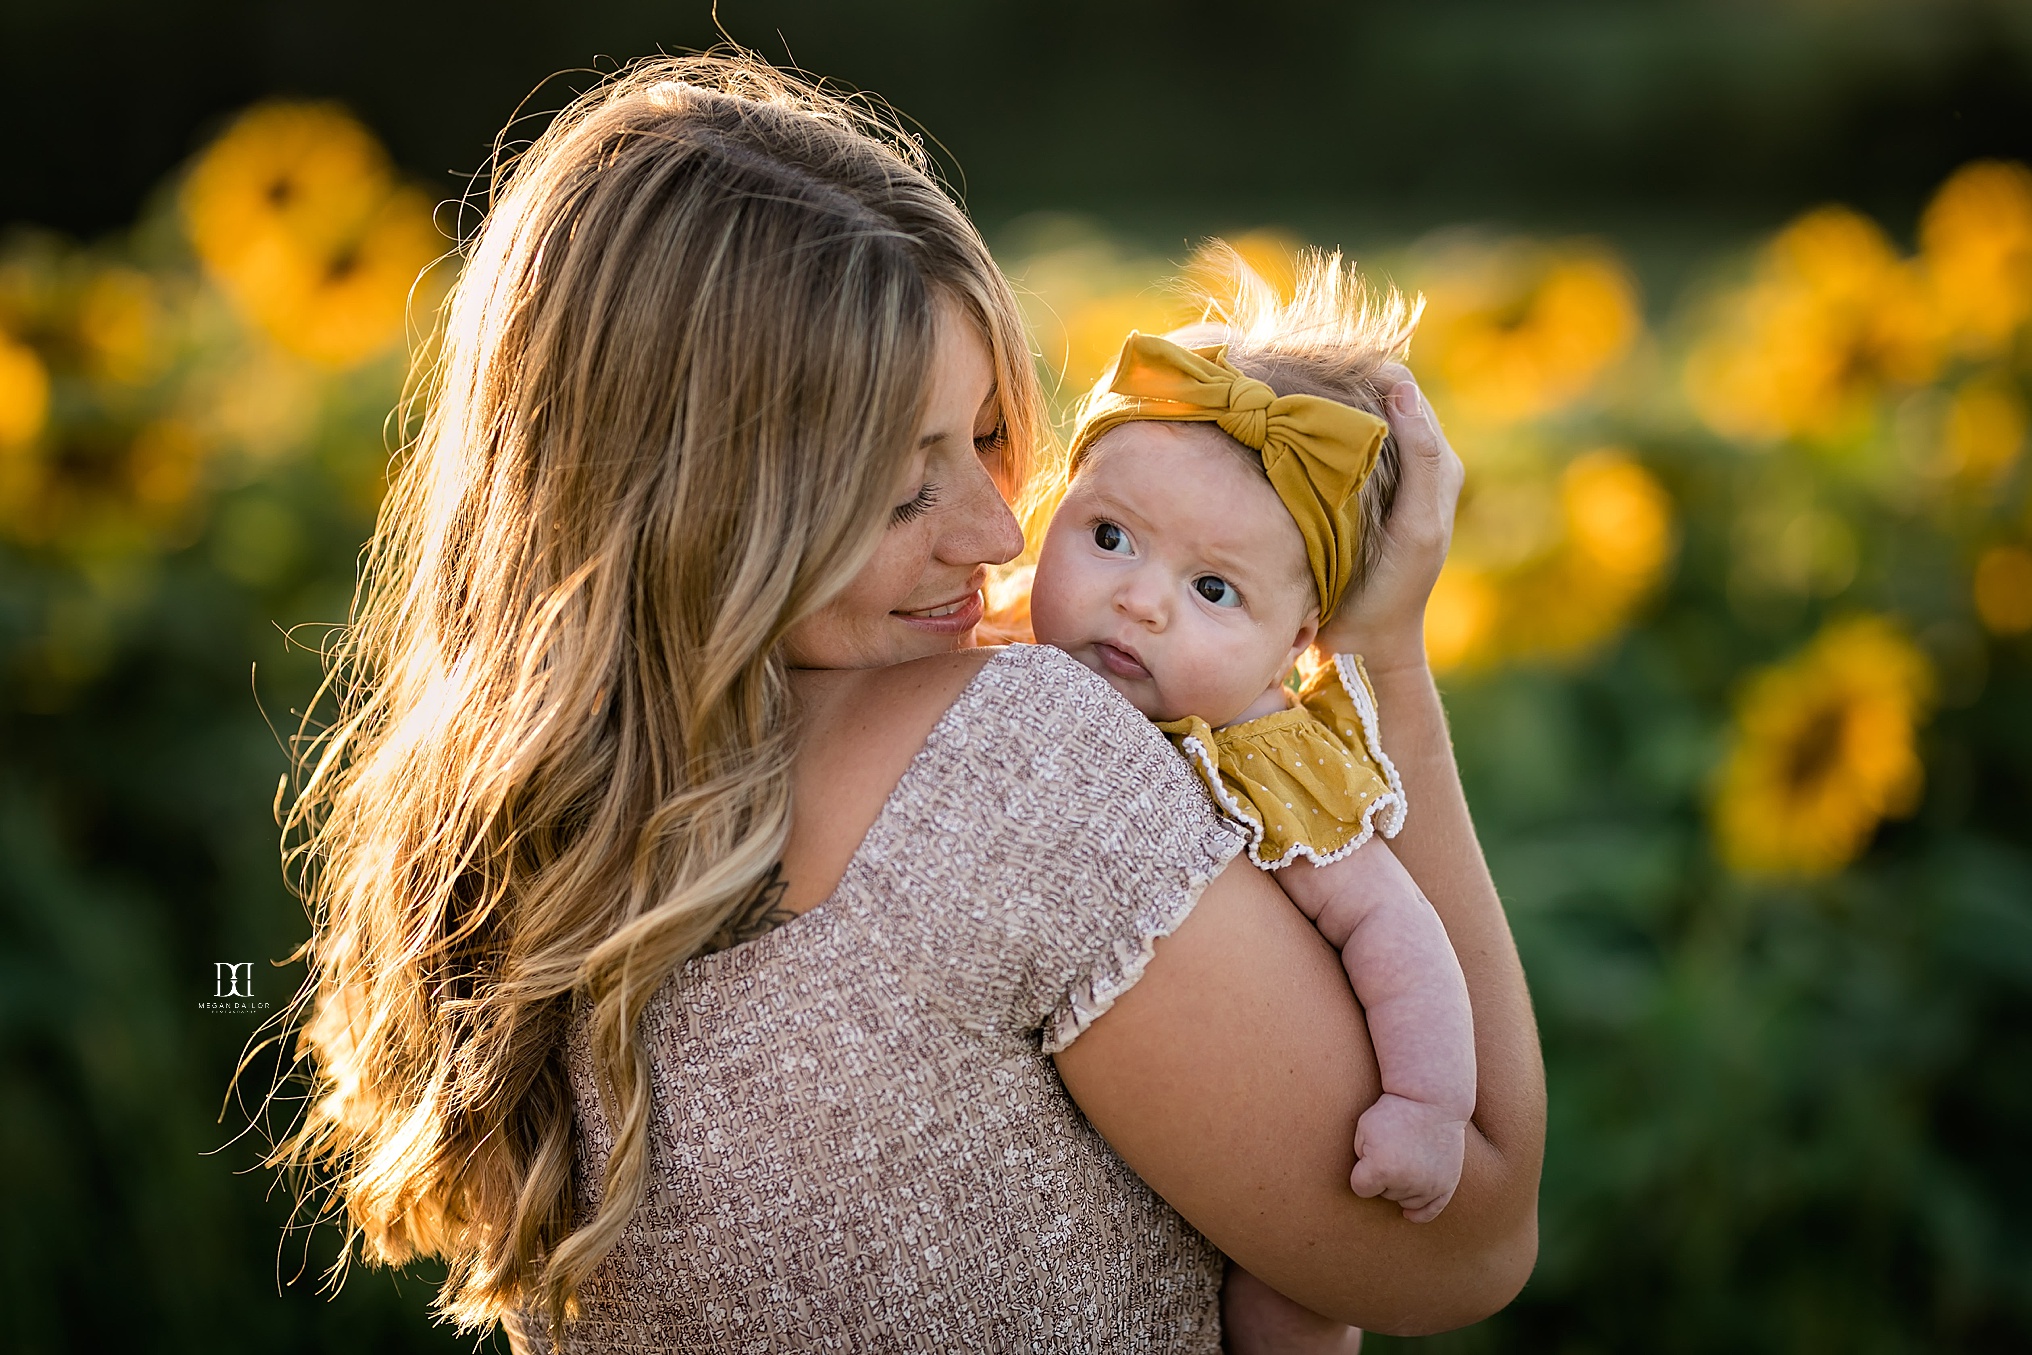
x,y
342,266
281,190
1817,749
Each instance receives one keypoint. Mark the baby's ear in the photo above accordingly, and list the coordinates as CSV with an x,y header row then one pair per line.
x,y
1308,631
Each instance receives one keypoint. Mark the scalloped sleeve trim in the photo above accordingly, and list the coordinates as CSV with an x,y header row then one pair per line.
x,y
1129,954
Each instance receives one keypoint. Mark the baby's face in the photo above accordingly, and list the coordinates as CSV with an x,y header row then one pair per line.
x,y
1173,571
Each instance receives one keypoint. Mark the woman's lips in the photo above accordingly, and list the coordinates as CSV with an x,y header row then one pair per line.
x,y
1119,661
956,617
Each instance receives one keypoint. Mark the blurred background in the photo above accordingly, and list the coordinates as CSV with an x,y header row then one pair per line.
x,y
1728,315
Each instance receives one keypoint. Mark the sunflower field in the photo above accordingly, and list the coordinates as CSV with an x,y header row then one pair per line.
x,y
1736,641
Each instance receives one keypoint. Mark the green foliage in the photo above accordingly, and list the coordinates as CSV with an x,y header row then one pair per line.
x,y
1786,1109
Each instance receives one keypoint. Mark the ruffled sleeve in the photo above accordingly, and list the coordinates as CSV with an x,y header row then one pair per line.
x,y
1047,838
1311,782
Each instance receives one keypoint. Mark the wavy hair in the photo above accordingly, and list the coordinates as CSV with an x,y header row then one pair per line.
x,y
677,385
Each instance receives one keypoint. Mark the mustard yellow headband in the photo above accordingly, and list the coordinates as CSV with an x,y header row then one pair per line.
x,y
1317,452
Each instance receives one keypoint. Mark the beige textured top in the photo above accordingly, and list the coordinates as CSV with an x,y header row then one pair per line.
x,y
858,1140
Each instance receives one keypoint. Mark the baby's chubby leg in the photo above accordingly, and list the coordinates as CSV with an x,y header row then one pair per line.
x,y
1409,1144
1257,1320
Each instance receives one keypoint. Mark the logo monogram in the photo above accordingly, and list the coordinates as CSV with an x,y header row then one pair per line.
x,y
231,977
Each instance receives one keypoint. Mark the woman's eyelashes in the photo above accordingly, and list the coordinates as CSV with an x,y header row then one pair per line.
x,y
993,444
916,507
1110,539
1217,590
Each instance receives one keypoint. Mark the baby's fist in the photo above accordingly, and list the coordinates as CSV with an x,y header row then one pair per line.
x,y
1408,1152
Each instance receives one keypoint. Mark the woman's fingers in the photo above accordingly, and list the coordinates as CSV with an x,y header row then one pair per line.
x,y
1429,487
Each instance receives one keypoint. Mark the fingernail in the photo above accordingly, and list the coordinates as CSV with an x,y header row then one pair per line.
x,y
1405,397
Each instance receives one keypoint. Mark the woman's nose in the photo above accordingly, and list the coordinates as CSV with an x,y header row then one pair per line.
x,y
980,530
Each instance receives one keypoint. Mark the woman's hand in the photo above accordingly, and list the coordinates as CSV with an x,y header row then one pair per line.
x,y
1385,621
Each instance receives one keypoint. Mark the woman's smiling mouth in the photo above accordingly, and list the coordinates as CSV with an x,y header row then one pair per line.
x,y
956,617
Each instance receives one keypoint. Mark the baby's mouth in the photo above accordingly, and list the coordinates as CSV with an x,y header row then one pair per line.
x,y
1120,661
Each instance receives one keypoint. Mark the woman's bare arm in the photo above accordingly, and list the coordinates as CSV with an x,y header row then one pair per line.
x,y
1386,624
1230,1078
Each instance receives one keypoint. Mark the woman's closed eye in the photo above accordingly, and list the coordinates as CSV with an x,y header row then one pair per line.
x,y
916,506
993,444
1112,539
1217,590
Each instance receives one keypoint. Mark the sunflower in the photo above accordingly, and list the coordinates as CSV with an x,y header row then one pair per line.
x,y
1832,317
296,213
2003,589
1976,243
24,408
119,322
1523,329
1550,567
1824,750
24,395
1460,618
1984,429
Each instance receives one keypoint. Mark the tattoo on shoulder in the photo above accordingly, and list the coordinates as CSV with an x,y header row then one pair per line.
x,y
763,912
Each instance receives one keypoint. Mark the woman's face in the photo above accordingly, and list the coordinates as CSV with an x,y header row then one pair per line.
x,y
921,592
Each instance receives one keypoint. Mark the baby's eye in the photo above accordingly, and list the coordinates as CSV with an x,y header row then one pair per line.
x,y
1217,590
1111,538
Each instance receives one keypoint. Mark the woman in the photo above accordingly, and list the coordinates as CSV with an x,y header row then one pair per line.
x,y
710,951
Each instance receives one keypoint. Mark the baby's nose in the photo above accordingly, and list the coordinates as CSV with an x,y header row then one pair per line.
x,y
1141,599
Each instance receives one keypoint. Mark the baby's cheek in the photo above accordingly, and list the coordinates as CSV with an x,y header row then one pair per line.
x,y
1051,619
1202,671
1218,675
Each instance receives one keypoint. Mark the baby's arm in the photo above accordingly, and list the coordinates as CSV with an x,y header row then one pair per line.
x,y
1408,1145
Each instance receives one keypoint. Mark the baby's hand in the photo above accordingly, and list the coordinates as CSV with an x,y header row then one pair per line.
x,y
1409,1152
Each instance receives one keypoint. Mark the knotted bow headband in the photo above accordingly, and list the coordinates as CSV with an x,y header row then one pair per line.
x,y
1317,452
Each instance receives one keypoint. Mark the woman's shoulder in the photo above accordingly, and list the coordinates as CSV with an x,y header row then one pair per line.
x,y
1039,701
952,729
1051,834
1018,685
1024,744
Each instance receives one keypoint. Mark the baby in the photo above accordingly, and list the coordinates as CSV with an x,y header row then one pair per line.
x,y
1221,502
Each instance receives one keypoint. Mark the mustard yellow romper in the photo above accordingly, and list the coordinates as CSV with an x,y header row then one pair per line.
x,y
1311,781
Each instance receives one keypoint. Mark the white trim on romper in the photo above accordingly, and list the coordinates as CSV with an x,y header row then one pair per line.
x,y
1391,805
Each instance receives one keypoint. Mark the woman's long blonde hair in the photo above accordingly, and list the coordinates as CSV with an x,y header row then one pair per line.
x,y
678,383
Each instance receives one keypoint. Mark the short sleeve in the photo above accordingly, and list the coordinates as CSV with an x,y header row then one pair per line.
x,y
1309,782
1050,836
